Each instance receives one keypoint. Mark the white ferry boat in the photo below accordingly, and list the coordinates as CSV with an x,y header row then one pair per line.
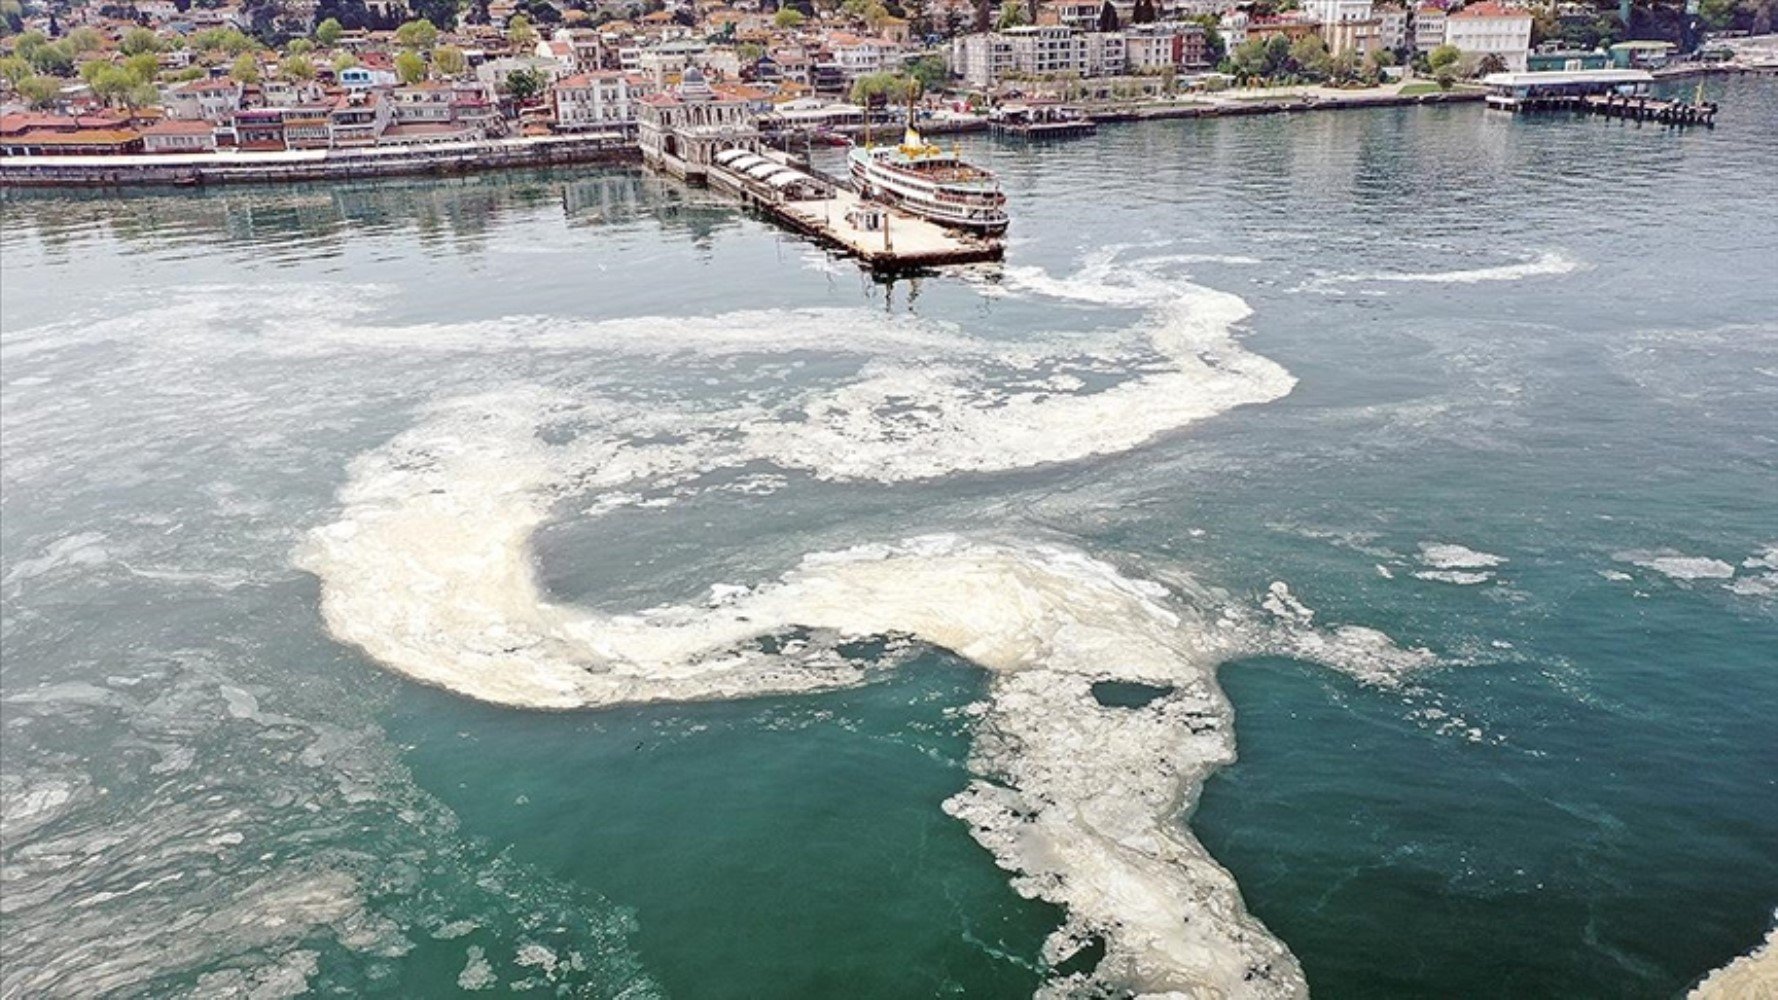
x,y
924,180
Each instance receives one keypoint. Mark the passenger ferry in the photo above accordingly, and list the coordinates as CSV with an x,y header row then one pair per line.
x,y
924,180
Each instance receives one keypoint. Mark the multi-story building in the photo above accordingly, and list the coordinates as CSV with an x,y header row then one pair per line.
x,y
1392,26
1152,47
1489,28
204,100
602,100
1346,25
982,59
681,130
359,118
179,136
308,126
1428,27
860,56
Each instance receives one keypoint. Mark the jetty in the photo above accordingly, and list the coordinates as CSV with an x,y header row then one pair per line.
x,y
700,135
1612,93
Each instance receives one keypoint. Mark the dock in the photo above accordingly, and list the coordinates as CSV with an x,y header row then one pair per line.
x,y
825,209
1611,93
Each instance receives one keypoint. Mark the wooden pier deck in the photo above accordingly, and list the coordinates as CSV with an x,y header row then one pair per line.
x,y
827,211
905,242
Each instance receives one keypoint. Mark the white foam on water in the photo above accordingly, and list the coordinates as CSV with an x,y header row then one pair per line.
x,y
428,569
1461,578
1678,567
1544,264
1444,555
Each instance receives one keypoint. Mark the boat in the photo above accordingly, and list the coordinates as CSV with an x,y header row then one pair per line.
x,y
921,179
1041,121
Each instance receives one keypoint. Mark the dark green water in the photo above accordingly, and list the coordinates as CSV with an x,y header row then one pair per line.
x,y
1547,341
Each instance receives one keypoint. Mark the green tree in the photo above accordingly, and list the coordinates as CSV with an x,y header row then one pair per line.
x,y
245,68
110,82
1445,76
143,68
344,60
1445,56
41,91
1012,15
84,39
520,33
55,59
1252,59
931,72
410,67
13,69
27,43
450,60
328,32
1490,63
1308,55
878,88
788,18
139,41
416,35
142,95
300,47
297,69
523,84
1717,14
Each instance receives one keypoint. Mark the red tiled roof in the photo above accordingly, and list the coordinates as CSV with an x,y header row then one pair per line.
x,y
1488,8
174,127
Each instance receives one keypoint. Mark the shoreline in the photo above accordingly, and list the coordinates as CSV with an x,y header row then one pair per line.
x,y
292,166
451,159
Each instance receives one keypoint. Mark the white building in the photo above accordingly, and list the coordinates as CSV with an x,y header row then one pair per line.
x,y
1334,11
1428,28
1489,28
203,100
606,99
1038,52
1392,26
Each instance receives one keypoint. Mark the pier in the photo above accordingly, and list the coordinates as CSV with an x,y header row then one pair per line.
x,y
826,209
1612,93
702,136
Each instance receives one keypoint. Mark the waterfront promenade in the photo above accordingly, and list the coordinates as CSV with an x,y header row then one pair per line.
x,y
235,167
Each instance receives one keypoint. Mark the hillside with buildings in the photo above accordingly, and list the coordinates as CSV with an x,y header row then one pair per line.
x,y
189,76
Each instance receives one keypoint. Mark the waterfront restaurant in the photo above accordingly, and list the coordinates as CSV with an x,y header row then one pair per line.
x,y
1526,91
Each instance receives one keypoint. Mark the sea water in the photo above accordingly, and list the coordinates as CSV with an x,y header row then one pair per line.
x,y
1334,551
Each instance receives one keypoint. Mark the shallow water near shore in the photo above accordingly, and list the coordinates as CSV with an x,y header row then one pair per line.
x,y
1449,436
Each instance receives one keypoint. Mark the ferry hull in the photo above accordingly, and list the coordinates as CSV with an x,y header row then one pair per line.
x,y
884,189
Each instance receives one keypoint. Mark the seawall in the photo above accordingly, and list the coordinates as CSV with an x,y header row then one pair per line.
x,y
201,169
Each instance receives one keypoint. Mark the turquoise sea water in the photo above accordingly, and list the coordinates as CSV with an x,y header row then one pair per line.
x,y
1533,429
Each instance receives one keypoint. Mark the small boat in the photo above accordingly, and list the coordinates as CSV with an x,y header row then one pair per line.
x,y
1041,121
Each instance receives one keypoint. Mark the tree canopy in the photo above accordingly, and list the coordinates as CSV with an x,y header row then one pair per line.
x,y
139,41
788,17
417,35
450,60
245,68
328,32
884,88
410,67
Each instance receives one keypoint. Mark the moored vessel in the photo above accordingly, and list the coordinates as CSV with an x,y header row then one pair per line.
x,y
920,178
